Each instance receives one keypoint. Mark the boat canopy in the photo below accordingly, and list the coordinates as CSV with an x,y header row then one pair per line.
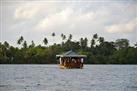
x,y
71,54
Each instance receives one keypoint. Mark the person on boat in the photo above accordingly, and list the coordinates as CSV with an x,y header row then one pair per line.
x,y
65,62
78,63
81,62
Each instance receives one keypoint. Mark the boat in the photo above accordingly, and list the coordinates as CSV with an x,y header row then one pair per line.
x,y
70,60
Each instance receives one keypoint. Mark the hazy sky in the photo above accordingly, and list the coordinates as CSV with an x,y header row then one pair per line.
x,y
36,19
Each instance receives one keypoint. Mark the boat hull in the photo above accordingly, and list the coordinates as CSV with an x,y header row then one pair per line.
x,y
70,67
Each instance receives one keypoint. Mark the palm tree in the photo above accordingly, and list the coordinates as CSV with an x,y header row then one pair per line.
x,y
94,40
53,35
92,43
63,37
6,44
70,37
45,41
86,42
32,44
20,40
101,40
24,44
95,36
81,42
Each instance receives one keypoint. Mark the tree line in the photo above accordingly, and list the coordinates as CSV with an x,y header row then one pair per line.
x,y
100,51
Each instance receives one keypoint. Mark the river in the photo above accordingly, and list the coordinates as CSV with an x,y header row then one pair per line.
x,y
51,78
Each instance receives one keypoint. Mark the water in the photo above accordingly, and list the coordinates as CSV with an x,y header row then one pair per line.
x,y
51,78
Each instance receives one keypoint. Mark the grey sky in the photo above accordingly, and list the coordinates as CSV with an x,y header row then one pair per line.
x,y
36,19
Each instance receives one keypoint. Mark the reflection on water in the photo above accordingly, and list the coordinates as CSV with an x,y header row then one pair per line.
x,y
51,78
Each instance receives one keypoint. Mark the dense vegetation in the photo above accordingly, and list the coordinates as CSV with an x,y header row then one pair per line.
x,y
99,51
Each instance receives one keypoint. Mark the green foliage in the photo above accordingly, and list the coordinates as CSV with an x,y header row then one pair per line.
x,y
100,51
122,43
83,43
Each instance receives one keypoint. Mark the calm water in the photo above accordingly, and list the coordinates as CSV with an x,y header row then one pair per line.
x,y
51,78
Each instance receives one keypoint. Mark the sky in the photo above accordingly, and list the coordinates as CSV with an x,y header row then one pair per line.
x,y
37,19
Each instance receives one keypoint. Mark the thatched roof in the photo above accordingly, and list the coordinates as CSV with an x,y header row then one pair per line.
x,y
70,54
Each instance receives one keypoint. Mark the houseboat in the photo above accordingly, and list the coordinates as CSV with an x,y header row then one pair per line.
x,y
70,60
